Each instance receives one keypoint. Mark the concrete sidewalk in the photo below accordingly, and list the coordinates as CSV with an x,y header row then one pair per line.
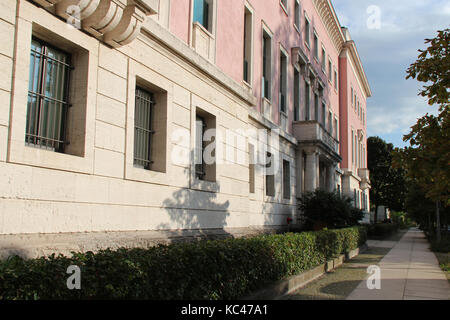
x,y
410,271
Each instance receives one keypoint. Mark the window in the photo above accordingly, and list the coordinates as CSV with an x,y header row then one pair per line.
x,y
270,177
352,96
203,13
336,129
324,59
330,71
296,95
297,14
248,40
200,125
143,128
307,101
283,82
205,164
267,65
316,46
330,123
324,108
251,167
353,147
335,80
316,107
286,180
307,32
48,97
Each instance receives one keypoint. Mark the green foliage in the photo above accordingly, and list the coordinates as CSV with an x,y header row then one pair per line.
x,y
381,230
387,182
211,270
402,219
440,246
433,68
328,209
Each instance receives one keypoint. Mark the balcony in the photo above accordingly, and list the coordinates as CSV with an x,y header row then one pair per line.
x,y
365,178
312,132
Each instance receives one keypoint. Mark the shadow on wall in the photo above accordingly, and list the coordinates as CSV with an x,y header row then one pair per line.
x,y
196,213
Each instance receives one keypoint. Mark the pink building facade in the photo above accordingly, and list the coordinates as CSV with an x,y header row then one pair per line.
x,y
114,142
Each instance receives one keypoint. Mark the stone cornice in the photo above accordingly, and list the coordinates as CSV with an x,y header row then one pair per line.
x,y
115,22
333,26
350,46
331,22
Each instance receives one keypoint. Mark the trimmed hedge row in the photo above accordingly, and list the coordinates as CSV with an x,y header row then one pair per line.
x,y
218,269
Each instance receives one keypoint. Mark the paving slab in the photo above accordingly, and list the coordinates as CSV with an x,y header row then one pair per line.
x,y
410,271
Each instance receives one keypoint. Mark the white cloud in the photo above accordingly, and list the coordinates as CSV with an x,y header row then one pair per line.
x,y
386,54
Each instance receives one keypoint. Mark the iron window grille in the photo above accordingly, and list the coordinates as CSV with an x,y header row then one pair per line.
x,y
48,97
270,177
200,170
143,131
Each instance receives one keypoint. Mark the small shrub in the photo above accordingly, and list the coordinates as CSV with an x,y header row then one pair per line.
x,y
328,209
206,270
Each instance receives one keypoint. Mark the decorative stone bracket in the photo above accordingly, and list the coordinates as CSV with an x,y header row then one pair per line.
x,y
115,22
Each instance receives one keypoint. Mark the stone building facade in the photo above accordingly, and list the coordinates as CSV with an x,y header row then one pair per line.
x,y
104,104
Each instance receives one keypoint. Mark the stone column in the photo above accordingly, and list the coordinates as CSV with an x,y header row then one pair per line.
x,y
311,172
331,178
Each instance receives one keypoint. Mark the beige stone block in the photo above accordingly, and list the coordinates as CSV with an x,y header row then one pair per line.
x,y
5,102
181,96
112,85
91,189
235,171
7,32
8,10
113,61
46,185
181,116
110,111
5,72
109,163
109,137
3,142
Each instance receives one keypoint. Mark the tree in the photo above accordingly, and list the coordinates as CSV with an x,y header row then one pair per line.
x,y
387,183
427,160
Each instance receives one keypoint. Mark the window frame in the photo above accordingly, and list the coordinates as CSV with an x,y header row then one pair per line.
x,y
41,97
297,15
286,179
248,45
283,81
266,64
316,46
79,154
146,163
307,40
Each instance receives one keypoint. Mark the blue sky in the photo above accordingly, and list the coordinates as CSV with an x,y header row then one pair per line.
x,y
386,54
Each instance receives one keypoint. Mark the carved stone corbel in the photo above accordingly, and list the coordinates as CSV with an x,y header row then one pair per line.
x,y
115,22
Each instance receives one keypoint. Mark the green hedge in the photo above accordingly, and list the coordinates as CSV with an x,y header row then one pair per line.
x,y
219,269
382,229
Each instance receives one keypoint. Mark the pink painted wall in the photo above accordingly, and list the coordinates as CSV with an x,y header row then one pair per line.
x,y
180,19
230,45
349,116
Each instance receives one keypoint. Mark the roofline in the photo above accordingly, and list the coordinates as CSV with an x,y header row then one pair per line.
x,y
341,41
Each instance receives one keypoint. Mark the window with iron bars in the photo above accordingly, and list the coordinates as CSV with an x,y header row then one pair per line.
x,y
48,97
200,170
143,132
